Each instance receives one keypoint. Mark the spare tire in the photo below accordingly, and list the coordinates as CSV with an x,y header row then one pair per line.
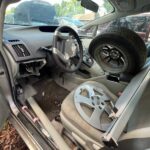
x,y
119,50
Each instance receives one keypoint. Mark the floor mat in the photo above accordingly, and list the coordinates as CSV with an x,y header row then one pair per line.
x,y
50,96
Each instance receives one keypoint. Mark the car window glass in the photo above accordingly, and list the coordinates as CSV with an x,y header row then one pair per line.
x,y
138,23
58,12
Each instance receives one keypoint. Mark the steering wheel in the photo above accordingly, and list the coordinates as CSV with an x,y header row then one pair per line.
x,y
67,49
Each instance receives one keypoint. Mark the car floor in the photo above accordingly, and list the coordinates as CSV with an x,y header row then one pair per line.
x,y
50,96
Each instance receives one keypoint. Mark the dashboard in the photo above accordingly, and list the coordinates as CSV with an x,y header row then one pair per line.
x,y
24,47
28,39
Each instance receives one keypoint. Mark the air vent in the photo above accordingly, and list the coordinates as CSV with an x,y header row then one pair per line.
x,y
13,40
21,50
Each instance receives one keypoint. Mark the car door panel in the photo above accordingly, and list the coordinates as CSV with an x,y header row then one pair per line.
x,y
4,110
5,93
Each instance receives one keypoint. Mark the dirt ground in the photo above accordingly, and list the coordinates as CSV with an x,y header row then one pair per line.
x,y
10,140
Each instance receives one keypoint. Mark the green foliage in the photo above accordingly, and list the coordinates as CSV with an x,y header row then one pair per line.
x,y
69,8
9,16
10,11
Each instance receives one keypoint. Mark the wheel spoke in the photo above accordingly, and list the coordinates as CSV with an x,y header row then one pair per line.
x,y
84,100
107,59
106,47
95,117
122,59
105,53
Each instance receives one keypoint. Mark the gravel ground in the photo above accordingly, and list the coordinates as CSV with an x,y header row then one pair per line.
x,y
10,140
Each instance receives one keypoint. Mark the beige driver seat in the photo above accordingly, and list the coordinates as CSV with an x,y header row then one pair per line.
x,y
82,131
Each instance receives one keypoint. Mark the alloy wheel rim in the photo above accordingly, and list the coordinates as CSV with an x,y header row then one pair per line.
x,y
112,58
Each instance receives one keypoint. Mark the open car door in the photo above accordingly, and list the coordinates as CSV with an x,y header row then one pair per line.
x,y
5,90
4,110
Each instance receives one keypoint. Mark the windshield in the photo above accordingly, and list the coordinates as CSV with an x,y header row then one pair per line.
x,y
56,12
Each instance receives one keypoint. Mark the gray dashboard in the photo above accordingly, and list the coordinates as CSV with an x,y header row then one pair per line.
x,y
29,38
23,45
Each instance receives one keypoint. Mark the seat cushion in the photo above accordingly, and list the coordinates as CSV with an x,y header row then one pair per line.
x,y
69,111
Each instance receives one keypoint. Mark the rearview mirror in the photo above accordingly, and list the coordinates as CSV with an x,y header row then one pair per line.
x,y
89,4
